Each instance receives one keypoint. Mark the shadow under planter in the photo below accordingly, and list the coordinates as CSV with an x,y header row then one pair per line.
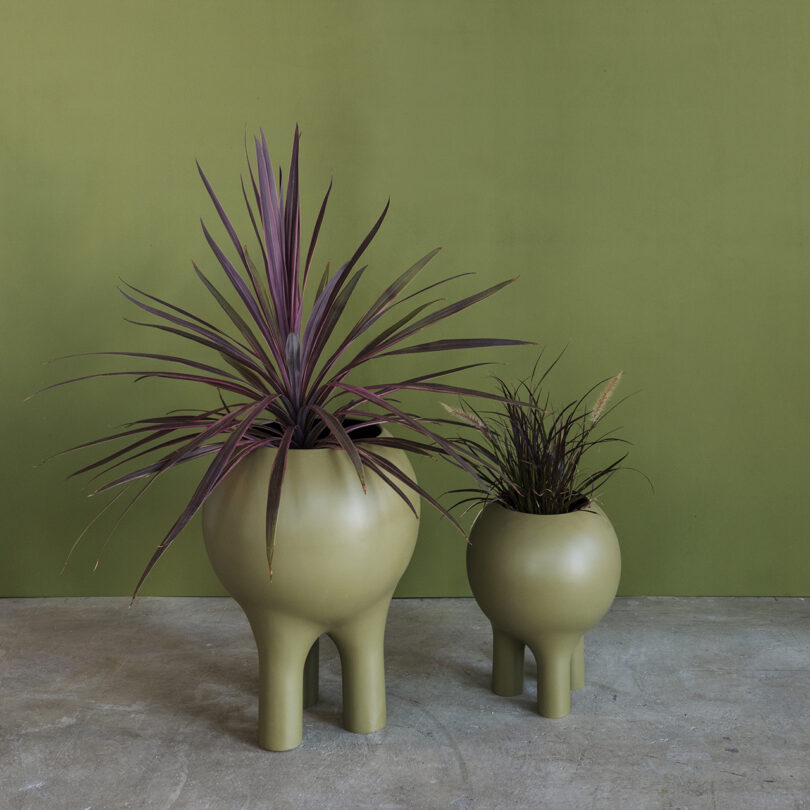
x,y
542,581
339,555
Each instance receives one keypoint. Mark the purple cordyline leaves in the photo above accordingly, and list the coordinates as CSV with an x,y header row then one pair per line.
x,y
290,395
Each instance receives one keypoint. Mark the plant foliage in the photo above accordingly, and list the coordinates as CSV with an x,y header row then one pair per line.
x,y
277,381
529,456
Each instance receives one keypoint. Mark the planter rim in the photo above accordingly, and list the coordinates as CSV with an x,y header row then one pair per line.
x,y
588,510
313,452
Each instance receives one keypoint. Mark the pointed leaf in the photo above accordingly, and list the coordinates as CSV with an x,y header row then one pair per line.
x,y
222,215
237,320
274,493
345,441
447,311
314,238
207,485
394,471
374,467
460,343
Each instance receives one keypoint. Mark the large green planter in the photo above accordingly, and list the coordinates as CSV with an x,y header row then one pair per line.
x,y
542,581
339,556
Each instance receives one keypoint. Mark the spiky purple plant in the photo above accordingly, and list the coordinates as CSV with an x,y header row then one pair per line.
x,y
281,388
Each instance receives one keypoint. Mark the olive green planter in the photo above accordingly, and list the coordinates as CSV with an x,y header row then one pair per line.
x,y
542,581
339,555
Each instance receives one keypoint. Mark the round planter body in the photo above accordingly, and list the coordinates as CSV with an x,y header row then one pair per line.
x,y
339,554
542,581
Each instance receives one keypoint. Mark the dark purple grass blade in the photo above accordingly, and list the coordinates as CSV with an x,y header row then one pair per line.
x,y
420,448
292,229
242,325
151,437
138,495
406,420
148,424
269,204
246,375
365,354
449,310
369,236
339,432
459,343
253,219
393,470
222,215
273,198
368,460
214,338
314,238
193,449
595,480
162,446
459,448
158,467
443,373
330,321
274,494
323,282
373,346
325,300
214,382
413,382
87,528
321,307
273,234
168,358
388,295
217,383
266,303
436,388
431,286
207,485
185,313
239,285
221,349
377,310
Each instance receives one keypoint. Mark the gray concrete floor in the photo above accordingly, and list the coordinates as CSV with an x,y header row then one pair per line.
x,y
689,703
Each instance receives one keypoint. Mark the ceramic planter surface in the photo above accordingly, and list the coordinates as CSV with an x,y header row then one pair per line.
x,y
338,558
542,581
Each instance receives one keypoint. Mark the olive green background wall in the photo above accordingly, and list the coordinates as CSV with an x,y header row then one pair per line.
x,y
643,166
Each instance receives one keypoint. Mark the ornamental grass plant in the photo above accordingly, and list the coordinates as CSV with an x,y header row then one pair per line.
x,y
528,455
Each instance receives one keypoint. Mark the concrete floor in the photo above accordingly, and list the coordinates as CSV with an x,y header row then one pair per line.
x,y
689,703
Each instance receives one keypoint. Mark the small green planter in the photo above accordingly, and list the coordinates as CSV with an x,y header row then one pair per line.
x,y
339,556
542,581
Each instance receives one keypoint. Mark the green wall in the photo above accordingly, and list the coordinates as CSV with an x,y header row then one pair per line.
x,y
643,166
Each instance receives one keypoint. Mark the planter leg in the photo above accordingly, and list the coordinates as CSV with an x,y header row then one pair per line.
x,y
554,675
578,665
507,664
360,644
311,666
283,644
